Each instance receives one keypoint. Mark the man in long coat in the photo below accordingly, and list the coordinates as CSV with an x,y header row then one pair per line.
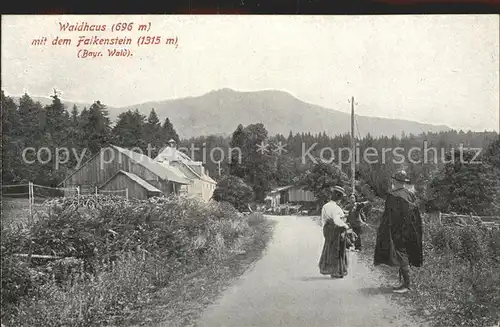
x,y
399,237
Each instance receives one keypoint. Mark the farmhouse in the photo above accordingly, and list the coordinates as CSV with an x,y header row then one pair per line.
x,y
290,195
201,184
117,169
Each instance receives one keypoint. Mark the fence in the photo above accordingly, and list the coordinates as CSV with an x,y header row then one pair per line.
x,y
23,202
440,218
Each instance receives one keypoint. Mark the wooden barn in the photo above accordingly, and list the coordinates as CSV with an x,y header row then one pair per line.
x,y
114,167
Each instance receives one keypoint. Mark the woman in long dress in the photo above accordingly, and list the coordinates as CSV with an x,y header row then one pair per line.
x,y
334,261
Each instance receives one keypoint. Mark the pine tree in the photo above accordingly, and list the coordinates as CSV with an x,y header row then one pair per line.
x,y
74,115
82,122
74,136
168,133
153,133
57,122
95,127
285,171
11,149
33,131
255,168
129,130
237,144
32,121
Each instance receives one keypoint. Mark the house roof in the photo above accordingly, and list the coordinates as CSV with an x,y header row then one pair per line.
x,y
209,179
204,177
185,168
164,172
283,188
172,154
137,179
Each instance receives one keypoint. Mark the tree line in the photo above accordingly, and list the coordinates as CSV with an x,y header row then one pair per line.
x,y
84,131
291,166
29,124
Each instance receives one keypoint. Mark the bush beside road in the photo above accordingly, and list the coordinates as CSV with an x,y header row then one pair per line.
x,y
459,283
123,259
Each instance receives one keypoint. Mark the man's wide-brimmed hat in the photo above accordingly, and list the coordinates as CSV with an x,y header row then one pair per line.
x,y
339,189
401,176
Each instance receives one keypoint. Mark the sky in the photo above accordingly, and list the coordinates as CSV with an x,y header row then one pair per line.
x,y
427,68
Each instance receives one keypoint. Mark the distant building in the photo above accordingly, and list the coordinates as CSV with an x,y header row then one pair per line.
x,y
116,169
201,184
290,195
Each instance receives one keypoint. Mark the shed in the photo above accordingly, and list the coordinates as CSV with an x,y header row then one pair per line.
x,y
136,186
290,194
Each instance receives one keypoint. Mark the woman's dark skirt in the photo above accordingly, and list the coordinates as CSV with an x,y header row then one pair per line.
x,y
333,259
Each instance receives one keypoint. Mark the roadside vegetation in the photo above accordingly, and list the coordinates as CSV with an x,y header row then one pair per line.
x,y
459,283
117,258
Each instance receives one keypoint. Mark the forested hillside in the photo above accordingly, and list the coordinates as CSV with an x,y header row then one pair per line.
x,y
79,133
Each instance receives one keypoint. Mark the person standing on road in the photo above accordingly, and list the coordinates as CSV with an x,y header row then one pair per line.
x,y
399,237
333,259
356,219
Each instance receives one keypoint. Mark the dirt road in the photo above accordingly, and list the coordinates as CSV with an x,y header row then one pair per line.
x,y
285,288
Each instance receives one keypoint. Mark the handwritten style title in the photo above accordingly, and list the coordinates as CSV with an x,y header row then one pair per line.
x,y
86,27
120,44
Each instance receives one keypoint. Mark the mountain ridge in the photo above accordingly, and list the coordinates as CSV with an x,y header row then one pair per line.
x,y
220,111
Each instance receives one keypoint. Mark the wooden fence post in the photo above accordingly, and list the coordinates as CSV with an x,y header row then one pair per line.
x,y
32,193
30,196
31,203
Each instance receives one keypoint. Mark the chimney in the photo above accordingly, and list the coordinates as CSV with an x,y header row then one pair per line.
x,y
172,143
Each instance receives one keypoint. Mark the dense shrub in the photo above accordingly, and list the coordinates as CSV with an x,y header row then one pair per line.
x,y
464,186
233,190
365,191
322,178
16,278
115,252
460,279
86,303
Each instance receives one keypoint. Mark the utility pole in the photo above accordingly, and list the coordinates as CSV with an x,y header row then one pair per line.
x,y
353,148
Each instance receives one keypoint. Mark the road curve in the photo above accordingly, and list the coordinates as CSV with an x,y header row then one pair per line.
x,y
284,288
